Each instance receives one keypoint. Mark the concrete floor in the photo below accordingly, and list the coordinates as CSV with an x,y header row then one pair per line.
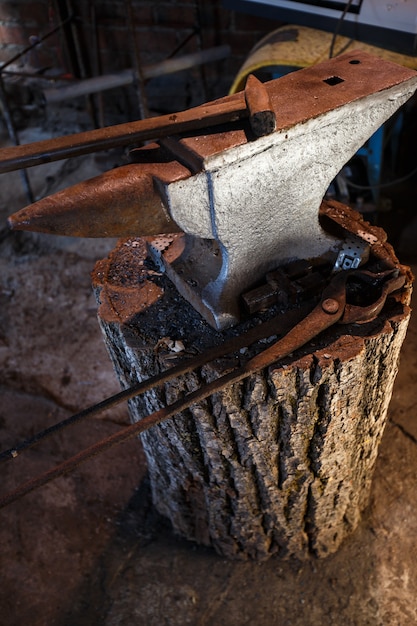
x,y
89,548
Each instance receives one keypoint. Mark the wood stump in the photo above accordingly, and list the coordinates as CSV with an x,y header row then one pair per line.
x,y
281,462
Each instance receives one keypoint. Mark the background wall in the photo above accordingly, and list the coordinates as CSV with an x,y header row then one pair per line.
x,y
97,41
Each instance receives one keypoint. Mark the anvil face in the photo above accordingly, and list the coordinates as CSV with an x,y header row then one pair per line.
x,y
246,204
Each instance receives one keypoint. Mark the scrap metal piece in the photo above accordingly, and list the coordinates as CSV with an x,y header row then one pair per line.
x,y
293,283
354,252
260,298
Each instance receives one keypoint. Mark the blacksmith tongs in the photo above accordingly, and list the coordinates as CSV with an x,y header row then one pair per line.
x,y
351,297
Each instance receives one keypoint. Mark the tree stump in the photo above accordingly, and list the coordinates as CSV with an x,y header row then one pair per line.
x,y
281,462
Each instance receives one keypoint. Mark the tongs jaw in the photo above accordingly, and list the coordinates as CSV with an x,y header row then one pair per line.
x,y
367,292
355,296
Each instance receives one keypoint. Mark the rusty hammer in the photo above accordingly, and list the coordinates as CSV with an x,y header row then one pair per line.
x,y
246,191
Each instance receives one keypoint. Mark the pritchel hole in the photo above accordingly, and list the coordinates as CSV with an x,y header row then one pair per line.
x,y
354,62
333,80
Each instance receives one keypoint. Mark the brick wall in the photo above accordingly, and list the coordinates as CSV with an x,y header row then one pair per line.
x,y
160,28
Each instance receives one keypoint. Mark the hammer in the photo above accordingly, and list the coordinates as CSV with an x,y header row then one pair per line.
x,y
246,191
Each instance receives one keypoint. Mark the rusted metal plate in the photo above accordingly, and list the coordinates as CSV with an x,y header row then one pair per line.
x,y
320,88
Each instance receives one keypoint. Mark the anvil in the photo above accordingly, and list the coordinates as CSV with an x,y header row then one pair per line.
x,y
246,193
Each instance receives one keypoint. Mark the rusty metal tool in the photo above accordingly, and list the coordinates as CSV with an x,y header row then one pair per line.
x,y
211,114
246,203
354,296
279,324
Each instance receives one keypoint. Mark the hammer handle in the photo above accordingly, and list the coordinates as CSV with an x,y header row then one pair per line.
x,y
225,110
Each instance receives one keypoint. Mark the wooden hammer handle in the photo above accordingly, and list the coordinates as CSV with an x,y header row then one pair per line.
x,y
228,109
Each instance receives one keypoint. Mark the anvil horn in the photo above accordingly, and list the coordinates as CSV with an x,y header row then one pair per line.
x,y
251,203
123,202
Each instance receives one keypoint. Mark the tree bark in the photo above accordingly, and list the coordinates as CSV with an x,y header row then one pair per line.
x,y
281,462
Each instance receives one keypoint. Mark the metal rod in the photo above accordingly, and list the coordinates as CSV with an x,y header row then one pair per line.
x,y
284,322
183,43
290,342
39,75
139,79
124,435
82,63
33,45
97,69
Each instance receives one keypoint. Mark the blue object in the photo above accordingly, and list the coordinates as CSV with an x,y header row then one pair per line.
x,y
372,151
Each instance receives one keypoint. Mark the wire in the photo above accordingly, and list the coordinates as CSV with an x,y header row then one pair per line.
x,y
337,29
396,181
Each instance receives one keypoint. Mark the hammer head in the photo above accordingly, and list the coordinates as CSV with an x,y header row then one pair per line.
x,y
248,203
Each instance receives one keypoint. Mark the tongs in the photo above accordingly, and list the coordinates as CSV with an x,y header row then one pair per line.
x,y
351,297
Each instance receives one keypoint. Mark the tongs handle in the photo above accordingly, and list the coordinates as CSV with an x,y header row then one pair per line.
x,y
325,314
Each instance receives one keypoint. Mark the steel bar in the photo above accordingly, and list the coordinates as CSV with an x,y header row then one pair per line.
x,y
37,75
38,41
96,62
81,61
11,129
68,33
139,79
183,43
